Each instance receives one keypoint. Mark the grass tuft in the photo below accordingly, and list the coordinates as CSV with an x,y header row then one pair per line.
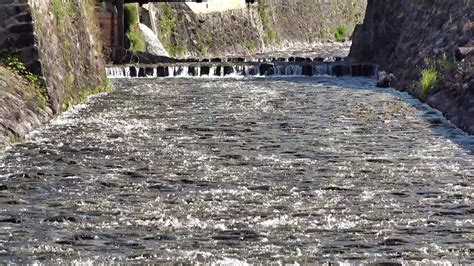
x,y
341,33
250,45
429,80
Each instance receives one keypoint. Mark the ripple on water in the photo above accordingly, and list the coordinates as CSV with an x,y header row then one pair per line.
x,y
241,171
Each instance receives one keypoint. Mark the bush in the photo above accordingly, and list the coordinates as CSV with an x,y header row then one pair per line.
x,y
341,33
429,80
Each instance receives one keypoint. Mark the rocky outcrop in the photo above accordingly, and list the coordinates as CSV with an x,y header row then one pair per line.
x,y
58,41
412,39
267,26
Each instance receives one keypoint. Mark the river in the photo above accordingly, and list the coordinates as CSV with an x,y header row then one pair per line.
x,y
241,170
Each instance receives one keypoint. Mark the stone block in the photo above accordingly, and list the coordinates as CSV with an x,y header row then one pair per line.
x,y
205,70
25,40
267,69
307,70
21,28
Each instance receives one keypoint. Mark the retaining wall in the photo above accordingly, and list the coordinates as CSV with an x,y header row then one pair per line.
x,y
408,37
59,41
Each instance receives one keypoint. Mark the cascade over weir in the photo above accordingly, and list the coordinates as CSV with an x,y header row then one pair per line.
x,y
221,67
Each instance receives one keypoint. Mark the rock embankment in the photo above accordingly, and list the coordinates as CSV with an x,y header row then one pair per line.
x,y
429,46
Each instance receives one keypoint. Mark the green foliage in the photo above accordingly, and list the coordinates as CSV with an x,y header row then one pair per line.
x,y
270,34
341,33
13,139
69,102
35,83
446,63
204,44
137,43
168,24
429,80
132,13
167,20
134,35
62,9
251,45
176,50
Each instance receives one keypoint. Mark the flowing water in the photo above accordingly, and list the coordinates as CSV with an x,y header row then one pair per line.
x,y
234,171
153,43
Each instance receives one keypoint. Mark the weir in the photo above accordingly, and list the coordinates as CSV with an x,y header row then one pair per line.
x,y
224,69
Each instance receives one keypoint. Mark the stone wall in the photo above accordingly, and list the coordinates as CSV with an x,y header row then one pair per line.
x,y
67,36
17,32
269,25
407,37
307,21
21,109
57,39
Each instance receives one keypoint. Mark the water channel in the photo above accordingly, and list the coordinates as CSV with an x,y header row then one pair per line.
x,y
241,170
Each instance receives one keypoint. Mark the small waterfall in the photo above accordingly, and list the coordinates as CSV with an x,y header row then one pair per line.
x,y
118,72
293,70
208,69
153,44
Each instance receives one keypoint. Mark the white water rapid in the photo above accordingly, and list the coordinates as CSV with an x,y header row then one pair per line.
x,y
153,44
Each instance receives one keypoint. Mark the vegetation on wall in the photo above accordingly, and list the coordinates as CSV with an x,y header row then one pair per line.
x,y
35,83
168,23
62,10
250,45
270,34
429,80
266,25
134,35
69,102
341,33
204,43
71,21
434,71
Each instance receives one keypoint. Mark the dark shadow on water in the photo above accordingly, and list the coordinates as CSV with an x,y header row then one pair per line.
x,y
440,125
